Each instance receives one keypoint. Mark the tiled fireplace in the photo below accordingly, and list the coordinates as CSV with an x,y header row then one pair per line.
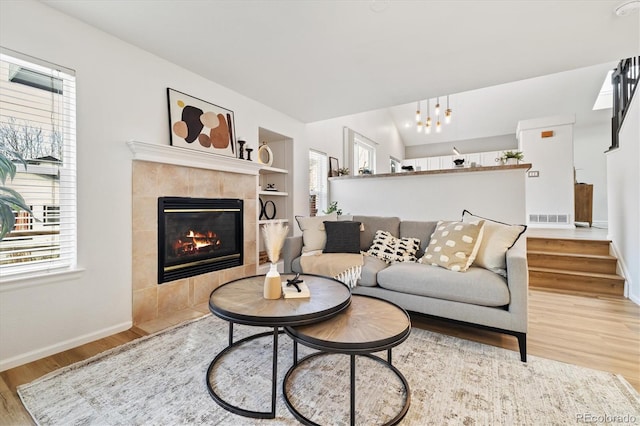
x,y
154,179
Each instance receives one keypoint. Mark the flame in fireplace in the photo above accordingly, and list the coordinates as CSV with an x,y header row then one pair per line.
x,y
197,242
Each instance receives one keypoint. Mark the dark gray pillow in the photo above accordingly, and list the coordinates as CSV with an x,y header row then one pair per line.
x,y
342,237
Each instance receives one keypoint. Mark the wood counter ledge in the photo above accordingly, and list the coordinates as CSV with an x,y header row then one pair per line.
x,y
438,172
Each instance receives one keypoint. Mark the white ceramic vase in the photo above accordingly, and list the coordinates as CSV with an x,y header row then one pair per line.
x,y
272,283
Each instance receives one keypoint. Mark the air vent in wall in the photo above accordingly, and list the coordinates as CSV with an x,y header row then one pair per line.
x,y
548,218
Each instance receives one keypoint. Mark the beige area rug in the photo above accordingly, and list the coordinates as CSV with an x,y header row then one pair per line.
x,y
160,380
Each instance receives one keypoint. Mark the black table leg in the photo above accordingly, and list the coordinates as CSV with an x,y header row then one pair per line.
x,y
353,390
234,409
274,377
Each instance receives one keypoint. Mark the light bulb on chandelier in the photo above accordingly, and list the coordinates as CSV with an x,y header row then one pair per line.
x,y
427,124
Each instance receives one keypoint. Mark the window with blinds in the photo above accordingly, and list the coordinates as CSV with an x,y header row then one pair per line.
x,y
38,125
318,172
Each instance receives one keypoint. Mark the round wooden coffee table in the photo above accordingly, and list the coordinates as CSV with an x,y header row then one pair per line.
x,y
368,325
242,302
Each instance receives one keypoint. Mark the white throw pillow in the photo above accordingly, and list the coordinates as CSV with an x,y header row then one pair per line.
x,y
497,238
314,236
392,250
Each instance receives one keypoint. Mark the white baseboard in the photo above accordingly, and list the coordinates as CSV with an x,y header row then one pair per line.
x,y
548,226
621,269
21,359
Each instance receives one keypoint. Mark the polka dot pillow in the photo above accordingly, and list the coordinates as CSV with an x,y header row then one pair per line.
x,y
391,249
454,245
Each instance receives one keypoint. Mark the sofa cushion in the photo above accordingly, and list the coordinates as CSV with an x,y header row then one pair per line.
x,y
371,224
342,237
477,286
391,249
453,245
314,236
497,238
418,229
370,269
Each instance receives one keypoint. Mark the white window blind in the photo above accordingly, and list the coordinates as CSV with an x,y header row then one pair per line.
x,y
38,122
318,173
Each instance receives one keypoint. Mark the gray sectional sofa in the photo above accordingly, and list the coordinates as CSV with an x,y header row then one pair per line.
x,y
478,296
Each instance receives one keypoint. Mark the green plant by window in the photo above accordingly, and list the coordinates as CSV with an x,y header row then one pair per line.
x,y
333,207
10,200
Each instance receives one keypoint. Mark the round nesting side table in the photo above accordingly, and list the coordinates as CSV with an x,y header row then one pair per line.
x,y
368,325
242,302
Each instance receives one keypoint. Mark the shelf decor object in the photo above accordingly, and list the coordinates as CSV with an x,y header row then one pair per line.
x,y
200,125
265,156
274,234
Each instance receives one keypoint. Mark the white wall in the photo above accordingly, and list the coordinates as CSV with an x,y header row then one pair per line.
x,y
623,179
589,146
497,195
121,95
327,136
552,191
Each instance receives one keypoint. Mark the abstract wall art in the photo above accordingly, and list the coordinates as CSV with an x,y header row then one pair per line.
x,y
200,125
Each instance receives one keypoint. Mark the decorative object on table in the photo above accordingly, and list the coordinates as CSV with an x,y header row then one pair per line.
x,y
334,167
364,170
200,125
265,156
241,149
459,162
343,171
271,187
295,288
512,157
249,151
267,210
274,234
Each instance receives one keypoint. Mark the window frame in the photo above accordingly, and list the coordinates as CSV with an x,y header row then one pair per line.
x,y
322,202
62,212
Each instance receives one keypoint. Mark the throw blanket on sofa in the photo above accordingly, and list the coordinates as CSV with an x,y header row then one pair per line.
x,y
345,267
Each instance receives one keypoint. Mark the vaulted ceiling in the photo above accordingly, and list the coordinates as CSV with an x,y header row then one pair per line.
x,y
314,60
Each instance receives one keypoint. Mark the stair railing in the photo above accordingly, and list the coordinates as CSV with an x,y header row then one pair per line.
x,y
624,81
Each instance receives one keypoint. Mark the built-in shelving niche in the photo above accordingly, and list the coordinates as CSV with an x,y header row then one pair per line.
x,y
280,175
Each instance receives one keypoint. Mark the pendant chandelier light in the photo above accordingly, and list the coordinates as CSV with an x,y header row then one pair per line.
x,y
437,113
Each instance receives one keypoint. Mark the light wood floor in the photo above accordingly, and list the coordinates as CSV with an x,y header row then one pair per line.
x,y
596,332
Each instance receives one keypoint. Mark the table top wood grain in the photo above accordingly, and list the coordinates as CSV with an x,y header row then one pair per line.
x,y
369,324
241,301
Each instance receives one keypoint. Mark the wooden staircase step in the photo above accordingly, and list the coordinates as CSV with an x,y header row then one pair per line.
x,y
596,263
594,283
566,245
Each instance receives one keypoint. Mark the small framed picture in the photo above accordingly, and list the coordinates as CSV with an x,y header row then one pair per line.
x,y
200,125
334,165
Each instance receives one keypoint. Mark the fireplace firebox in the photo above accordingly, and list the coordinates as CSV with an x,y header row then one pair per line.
x,y
198,235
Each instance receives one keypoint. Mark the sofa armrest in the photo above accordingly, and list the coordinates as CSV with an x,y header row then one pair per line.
x,y
291,249
518,281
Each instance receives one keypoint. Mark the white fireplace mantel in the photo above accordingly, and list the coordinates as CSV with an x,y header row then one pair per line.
x,y
191,158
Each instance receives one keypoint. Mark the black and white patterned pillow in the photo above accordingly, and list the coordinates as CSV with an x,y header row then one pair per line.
x,y
392,250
